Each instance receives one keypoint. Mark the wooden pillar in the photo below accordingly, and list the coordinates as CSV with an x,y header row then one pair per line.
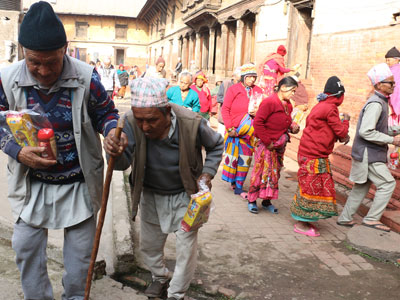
x,y
249,31
197,52
224,49
191,48
239,41
205,53
211,50
185,58
171,50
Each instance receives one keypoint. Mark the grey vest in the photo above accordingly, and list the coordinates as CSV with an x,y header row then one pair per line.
x,y
376,153
87,139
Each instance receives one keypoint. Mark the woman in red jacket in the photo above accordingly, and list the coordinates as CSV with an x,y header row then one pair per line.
x,y
271,125
315,196
204,94
238,121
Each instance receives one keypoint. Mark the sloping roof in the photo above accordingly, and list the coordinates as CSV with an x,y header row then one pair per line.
x,y
118,8
151,9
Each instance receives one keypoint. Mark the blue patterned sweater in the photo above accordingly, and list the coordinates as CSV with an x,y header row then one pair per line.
x,y
101,110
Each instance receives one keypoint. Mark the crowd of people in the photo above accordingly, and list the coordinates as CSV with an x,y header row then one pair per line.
x,y
173,152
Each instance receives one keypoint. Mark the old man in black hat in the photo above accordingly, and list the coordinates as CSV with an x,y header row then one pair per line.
x,y
63,192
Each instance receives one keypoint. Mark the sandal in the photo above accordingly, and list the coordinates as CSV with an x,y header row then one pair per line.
x,y
378,226
346,224
270,207
233,187
244,195
252,207
310,232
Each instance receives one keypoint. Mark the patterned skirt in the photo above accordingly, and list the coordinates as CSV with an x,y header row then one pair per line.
x,y
266,173
238,153
315,197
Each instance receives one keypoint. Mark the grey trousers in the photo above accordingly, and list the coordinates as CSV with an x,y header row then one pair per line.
x,y
30,244
385,185
152,242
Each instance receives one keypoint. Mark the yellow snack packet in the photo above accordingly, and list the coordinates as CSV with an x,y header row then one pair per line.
x,y
297,116
197,212
22,128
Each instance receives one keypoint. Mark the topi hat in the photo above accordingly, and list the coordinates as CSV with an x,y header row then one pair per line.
x,y
379,73
393,53
41,29
248,70
149,92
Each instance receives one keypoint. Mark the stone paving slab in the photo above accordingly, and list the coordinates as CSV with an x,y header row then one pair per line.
x,y
260,256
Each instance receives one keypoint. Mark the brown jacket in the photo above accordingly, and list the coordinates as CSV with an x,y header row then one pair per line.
x,y
190,160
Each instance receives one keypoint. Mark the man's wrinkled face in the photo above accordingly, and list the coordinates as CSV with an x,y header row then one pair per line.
x,y
391,61
386,86
45,66
152,121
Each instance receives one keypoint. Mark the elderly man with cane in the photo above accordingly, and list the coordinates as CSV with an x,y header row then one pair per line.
x,y
48,193
165,144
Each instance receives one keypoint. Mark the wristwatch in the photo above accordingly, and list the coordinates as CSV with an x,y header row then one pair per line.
x,y
231,129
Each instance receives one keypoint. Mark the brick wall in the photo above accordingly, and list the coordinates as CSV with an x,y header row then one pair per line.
x,y
350,55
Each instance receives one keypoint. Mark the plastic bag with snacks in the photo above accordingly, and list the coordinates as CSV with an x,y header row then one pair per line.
x,y
254,102
297,115
29,127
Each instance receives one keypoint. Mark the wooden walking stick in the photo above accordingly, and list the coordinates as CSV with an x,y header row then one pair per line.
x,y
103,208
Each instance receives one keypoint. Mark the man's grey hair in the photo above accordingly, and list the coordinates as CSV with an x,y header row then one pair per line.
x,y
186,74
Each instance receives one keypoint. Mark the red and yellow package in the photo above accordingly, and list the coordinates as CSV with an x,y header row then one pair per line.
x,y
22,128
197,212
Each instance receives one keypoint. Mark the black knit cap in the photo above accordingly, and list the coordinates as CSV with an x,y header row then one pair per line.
x,y
41,29
333,86
393,53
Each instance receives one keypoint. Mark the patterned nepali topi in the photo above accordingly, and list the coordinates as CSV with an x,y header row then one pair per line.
x,y
149,92
248,70
41,29
379,73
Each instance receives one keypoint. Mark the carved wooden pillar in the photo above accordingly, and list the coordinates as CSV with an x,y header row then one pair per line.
x,y
239,41
211,49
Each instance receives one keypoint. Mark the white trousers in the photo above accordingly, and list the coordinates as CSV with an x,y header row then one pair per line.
x,y
380,176
152,242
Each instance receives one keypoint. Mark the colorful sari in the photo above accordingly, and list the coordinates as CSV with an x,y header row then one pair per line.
x,y
266,172
315,196
238,153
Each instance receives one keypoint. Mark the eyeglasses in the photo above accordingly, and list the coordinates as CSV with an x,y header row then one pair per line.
x,y
392,83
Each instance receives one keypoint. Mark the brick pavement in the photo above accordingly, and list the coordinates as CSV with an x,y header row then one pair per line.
x,y
278,228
